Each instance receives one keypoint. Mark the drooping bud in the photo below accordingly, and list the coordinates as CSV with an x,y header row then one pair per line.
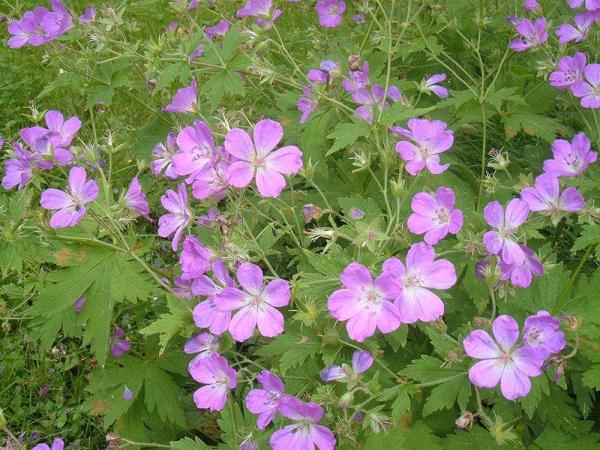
x,y
465,421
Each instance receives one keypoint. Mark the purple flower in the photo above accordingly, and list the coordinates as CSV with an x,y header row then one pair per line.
x,y
570,70
365,305
40,26
183,287
588,90
185,99
502,241
209,219
193,4
522,274
501,360
261,9
356,213
194,259
358,79
327,70
431,84
163,158
79,304
127,394
88,15
532,34
361,361
265,402
211,182
204,344
197,151
532,5
197,53
219,29
135,199
255,305
429,139
69,205
306,104
206,314
330,12
578,32
63,130
375,97
58,444
247,444
119,345
257,159
435,215
172,26
421,273
541,332
218,377
546,196
19,170
571,159
590,5
305,433
180,215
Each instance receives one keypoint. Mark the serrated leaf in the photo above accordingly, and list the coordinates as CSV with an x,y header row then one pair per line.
x,y
168,325
346,134
189,444
539,387
168,75
533,124
398,113
293,350
457,390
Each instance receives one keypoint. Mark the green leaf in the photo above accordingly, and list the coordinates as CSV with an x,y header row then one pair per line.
x,y
346,134
477,438
153,132
168,75
428,369
400,113
554,439
417,437
293,350
591,377
539,387
446,394
170,324
533,124
189,444
590,235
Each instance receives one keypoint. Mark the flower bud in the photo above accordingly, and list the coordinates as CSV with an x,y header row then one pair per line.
x,y
354,62
465,421
481,322
311,212
378,422
398,187
572,322
346,400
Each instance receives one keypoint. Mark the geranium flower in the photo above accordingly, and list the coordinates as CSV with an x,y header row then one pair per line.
x,y
532,5
431,84
261,9
206,313
429,139
88,15
365,304
162,156
305,433
374,97
64,130
571,159
220,29
421,273
588,90
435,215
217,376
361,361
135,199
194,259
197,151
502,241
120,344
265,402
327,70
202,345
211,182
541,332
18,171
257,158
546,196
502,361
57,444
532,34
578,32
184,100
590,5
180,215
522,274
330,12
256,304
570,70
69,205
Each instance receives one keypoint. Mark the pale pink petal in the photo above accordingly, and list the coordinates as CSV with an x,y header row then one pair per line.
x,y
514,383
506,331
270,321
250,277
441,274
277,293
242,324
478,344
356,276
269,183
286,160
486,373
240,174
267,134
239,144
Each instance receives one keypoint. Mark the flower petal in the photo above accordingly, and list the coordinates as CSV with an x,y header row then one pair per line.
x,y
506,331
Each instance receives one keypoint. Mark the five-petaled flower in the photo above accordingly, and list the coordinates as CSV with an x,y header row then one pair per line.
x,y
502,240
218,377
265,402
434,215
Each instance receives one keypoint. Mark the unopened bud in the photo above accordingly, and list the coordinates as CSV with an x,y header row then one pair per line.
x,y
346,400
311,212
353,62
465,421
572,322
480,322
398,187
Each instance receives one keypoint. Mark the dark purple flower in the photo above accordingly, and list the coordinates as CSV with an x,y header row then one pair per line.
x,y
570,70
119,345
265,402
330,12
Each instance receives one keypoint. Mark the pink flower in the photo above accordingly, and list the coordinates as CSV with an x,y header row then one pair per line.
x,y
532,34
588,90
429,139
435,215
194,259
521,275
265,401
502,241
69,205
421,273
305,433
197,151
257,159
206,313
541,332
330,12
218,377
255,305
135,199
211,182
578,32
57,444
261,9
180,215
185,99
431,84
64,131
365,305
502,361
570,70
203,345
546,196
571,159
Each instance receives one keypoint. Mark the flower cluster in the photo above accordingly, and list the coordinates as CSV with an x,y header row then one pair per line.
x,y
40,26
